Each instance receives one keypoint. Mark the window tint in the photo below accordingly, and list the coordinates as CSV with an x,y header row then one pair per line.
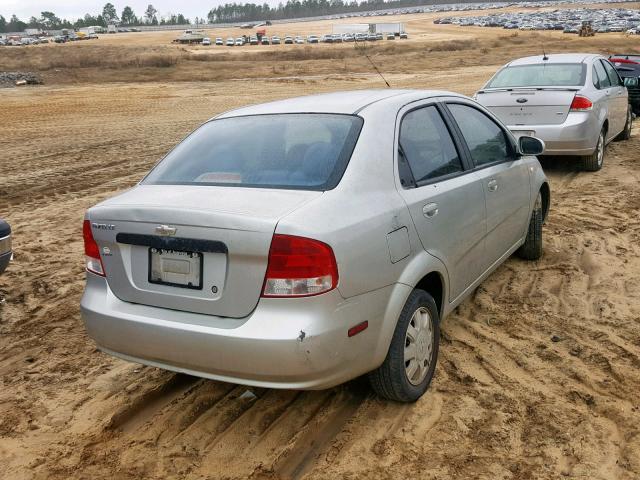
x,y
487,142
603,78
427,146
305,151
612,74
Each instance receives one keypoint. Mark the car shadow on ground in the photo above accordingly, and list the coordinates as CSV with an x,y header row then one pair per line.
x,y
561,164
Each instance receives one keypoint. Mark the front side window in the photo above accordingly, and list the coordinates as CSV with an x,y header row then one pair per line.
x,y
426,145
614,78
294,151
487,142
540,75
603,78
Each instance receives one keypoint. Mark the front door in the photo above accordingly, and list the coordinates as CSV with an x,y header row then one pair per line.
x,y
504,178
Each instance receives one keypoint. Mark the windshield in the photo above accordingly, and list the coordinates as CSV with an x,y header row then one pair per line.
x,y
540,75
299,151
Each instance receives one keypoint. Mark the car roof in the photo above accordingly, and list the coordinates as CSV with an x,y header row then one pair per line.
x,y
348,102
554,58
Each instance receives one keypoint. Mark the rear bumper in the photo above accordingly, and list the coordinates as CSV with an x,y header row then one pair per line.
x,y
578,135
285,343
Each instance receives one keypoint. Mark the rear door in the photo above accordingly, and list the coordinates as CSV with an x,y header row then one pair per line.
x,y
618,100
603,84
504,177
444,196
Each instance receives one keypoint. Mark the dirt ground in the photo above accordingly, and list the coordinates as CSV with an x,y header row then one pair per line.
x,y
539,371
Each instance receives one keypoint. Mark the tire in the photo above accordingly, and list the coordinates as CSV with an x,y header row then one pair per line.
x,y
626,133
391,380
593,162
531,249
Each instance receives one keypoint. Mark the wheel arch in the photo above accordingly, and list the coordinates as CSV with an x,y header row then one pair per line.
x,y
433,283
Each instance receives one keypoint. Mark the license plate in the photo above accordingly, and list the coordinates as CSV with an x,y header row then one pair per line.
x,y
175,268
523,133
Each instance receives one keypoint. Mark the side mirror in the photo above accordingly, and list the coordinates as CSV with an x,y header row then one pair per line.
x,y
530,146
631,82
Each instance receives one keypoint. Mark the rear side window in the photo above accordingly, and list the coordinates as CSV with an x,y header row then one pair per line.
x,y
540,75
427,146
487,142
295,151
614,78
603,78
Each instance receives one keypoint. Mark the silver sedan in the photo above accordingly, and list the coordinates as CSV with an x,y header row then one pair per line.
x,y
302,243
576,103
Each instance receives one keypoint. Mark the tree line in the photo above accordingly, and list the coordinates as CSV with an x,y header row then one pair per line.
x,y
245,12
109,15
227,13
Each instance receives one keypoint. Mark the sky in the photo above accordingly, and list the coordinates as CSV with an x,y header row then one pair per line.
x,y
74,9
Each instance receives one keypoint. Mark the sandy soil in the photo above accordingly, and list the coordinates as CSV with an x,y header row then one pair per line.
x,y
539,370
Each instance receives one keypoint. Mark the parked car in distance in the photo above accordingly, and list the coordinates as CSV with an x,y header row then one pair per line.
x,y
288,40
182,275
313,39
239,42
5,245
253,40
265,40
219,41
391,36
275,40
404,36
298,40
231,42
206,41
576,103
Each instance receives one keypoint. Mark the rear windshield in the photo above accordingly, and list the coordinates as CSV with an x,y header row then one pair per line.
x,y
296,151
541,75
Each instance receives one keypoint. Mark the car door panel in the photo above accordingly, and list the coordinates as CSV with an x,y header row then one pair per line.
x,y
507,191
449,217
618,99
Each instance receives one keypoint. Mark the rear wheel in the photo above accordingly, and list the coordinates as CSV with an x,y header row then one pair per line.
x,y
626,133
531,249
593,162
411,360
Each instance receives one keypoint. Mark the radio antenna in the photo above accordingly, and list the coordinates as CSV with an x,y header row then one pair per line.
x,y
372,64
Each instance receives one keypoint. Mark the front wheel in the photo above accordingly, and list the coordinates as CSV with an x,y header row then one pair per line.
x,y
531,249
411,360
626,133
593,162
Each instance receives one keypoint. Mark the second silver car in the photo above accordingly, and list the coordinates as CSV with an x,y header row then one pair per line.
x,y
576,103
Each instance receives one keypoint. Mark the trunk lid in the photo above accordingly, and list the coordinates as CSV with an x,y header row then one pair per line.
x,y
231,227
528,106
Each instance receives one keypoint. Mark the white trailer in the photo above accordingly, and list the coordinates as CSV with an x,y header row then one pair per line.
x,y
396,28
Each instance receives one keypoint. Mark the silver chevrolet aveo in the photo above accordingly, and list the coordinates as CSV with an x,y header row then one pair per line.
x,y
305,242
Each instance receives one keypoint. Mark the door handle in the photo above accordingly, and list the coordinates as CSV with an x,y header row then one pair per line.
x,y
430,210
492,185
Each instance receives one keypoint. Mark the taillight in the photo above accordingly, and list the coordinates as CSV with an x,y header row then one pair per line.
x,y
93,262
581,104
299,267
